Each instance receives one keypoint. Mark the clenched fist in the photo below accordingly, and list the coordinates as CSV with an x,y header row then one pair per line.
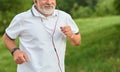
x,y
20,57
67,31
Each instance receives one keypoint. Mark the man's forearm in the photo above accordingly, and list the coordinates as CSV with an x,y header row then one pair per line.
x,y
75,39
9,42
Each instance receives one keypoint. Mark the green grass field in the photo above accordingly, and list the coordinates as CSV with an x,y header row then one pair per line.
x,y
99,51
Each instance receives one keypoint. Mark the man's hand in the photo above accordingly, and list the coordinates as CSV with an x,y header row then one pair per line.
x,y
20,57
75,39
67,31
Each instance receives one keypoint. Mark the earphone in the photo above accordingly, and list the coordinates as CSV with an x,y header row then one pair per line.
x,y
52,36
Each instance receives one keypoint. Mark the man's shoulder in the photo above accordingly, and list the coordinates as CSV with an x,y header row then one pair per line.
x,y
23,15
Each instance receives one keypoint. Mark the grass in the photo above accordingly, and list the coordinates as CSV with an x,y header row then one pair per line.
x,y
6,61
99,52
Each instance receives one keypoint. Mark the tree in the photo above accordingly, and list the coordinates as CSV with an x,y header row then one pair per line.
x,y
68,4
104,8
117,6
9,8
71,6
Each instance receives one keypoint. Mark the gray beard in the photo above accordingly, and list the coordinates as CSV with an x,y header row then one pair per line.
x,y
42,10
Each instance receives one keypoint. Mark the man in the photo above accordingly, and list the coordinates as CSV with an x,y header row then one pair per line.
x,y
42,33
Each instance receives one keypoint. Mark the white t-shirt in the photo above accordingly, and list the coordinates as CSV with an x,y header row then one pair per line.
x,y
35,33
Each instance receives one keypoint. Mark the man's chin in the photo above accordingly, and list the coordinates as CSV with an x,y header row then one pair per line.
x,y
46,10
50,11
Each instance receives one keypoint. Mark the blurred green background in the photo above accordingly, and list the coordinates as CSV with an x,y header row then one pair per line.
x,y
99,25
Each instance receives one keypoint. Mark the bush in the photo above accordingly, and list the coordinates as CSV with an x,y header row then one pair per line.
x,y
117,6
9,8
105,7
82,12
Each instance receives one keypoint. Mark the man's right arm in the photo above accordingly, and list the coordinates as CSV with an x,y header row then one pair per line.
x,y
10,43
19,56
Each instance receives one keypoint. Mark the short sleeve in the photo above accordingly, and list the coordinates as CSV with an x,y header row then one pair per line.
x,y
14,29
72,24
